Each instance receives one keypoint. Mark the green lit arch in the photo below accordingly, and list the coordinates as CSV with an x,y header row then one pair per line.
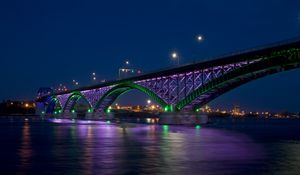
x,y
80,96
125,87
55,100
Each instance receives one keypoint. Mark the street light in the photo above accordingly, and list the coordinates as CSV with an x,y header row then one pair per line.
x,y
127,62
199,38
175,56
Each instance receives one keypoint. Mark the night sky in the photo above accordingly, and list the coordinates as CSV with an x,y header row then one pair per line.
x,y
45,43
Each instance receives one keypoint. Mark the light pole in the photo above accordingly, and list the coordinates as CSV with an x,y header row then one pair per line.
x,y
75,83
199,38
94,76
121,69
175,56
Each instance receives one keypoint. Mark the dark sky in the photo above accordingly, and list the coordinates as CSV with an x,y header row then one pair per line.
x,y
45,43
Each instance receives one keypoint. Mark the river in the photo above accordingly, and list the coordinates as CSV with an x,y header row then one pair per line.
x,y
226,146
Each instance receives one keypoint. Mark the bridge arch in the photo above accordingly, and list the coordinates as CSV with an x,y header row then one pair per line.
x,y
73,99
109,97
53,102
238,77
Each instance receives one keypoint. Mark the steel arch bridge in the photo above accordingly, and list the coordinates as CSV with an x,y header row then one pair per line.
x,y
188,87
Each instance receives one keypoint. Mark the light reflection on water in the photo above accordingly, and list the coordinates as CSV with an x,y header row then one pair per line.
x,y
25,150
143,149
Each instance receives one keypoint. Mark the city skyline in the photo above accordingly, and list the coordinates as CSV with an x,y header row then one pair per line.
x,y
45,44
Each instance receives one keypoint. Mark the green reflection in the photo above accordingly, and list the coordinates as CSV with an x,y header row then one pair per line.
x,y
197,126
165,129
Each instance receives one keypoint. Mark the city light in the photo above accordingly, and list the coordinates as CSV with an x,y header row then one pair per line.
x,y
148,102
76,83
94,76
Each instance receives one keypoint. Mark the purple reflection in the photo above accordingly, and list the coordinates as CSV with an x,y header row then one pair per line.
x,y
99,148
25,151
69,121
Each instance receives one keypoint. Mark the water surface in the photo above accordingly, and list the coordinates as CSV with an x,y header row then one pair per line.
x,y
226,147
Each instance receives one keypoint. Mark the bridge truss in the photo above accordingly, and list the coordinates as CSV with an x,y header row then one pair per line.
x,y
185,88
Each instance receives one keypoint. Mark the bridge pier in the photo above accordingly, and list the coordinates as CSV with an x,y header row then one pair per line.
x,y
68,115
182,118
90,116
40,108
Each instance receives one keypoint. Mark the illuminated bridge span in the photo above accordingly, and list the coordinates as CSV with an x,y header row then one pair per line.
x,y
188,87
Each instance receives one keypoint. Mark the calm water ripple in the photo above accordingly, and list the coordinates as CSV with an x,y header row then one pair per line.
x,y
42,147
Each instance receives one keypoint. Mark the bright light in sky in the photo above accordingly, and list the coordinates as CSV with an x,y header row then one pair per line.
x,y
199,38
174,55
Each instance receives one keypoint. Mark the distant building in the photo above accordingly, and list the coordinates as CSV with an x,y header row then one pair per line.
x,y
17,107
128,72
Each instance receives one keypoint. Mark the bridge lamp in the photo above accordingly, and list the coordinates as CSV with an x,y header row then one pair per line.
x,y
199,37
175,56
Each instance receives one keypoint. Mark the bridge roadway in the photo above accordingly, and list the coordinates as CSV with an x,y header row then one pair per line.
x,y
185,88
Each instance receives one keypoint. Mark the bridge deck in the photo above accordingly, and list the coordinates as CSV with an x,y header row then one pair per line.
x,y
219,61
